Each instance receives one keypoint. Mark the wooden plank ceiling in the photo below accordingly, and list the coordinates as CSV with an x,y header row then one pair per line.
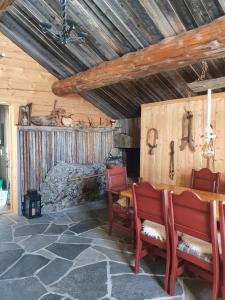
x,y
114,28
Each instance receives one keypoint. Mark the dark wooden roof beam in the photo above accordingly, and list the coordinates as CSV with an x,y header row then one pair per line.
x,y
204,85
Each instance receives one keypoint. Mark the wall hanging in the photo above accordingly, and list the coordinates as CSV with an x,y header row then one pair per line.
x,y
209,136
187,138
25,115
152,137
171,170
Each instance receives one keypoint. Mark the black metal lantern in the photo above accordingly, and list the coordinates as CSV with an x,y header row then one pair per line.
x,y
32,204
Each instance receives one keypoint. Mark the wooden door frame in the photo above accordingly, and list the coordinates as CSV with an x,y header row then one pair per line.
x,y
13,157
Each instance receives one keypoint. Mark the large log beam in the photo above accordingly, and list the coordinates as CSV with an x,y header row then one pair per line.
x,y
4,5
205,42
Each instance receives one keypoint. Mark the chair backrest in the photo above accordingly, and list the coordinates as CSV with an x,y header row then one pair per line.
x,y
193,216
116,178
205,180
149,203
222,229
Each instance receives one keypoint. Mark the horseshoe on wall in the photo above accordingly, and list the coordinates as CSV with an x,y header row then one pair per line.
x,y
152,137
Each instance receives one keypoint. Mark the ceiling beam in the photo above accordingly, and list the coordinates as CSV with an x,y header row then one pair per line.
x,y
4,5
205,42
204,85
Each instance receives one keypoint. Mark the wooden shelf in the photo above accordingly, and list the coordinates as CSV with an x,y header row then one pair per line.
x,y
70,129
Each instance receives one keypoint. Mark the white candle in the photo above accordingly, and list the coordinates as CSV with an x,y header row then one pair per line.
x,y
209,108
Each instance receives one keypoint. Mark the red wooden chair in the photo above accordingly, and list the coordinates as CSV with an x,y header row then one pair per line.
x,y
205,180
116,181
151,221
222,238
197,248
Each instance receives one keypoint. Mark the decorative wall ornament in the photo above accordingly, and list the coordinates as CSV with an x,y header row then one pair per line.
x,y
187,138
25,115
172,170
57,117
208,135
152,137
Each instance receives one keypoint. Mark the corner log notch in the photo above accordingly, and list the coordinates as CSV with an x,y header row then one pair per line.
x,y
206,42
4,5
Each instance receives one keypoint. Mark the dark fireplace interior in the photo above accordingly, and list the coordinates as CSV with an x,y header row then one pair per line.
x,y
133,162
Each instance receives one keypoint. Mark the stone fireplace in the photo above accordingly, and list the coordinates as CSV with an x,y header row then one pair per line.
x,y
67,185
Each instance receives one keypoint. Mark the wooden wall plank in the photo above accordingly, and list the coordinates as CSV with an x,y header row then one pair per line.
x,y
166,117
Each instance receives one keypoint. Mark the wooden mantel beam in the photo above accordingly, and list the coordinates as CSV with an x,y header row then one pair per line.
x,y
205,42
4,5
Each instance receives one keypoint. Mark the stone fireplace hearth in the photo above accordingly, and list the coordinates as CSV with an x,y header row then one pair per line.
x,y
60,191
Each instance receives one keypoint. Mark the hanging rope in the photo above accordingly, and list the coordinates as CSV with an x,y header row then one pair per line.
x,y
204,70
171,170
64,18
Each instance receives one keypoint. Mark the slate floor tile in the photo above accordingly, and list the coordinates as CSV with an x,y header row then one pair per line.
x,y
88,256
153,265
55,229
61,219
54,270
5,221
51,297
69,251
90,282
139,287
21,289
7,258
73,239
84,226
8,246
117,268
30,229
48,254
26,266
81,215
197,289
5,233
119,256
36,242
44,219
99,233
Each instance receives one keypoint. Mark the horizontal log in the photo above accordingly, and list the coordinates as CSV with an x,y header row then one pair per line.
x,y
204,85
205,42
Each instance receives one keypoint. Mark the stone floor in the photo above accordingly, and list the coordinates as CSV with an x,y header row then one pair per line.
x,y
69,255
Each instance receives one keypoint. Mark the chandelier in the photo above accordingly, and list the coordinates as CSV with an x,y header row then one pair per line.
x,y
68,33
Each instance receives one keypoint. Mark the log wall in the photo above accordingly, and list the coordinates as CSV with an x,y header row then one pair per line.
x,y
41,148
166,117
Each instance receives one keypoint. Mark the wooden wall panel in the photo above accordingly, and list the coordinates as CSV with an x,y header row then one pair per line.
x,y
166,117
23,80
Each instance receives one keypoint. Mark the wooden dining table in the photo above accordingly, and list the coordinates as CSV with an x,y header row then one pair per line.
x,y
205,196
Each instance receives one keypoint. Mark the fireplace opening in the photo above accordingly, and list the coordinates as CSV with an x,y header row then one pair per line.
x,y
132,159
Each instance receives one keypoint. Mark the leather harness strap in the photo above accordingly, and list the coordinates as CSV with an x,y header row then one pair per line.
x,y
171,171
152,143
187,138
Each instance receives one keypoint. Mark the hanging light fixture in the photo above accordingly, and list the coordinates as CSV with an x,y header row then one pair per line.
x,y
68,33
